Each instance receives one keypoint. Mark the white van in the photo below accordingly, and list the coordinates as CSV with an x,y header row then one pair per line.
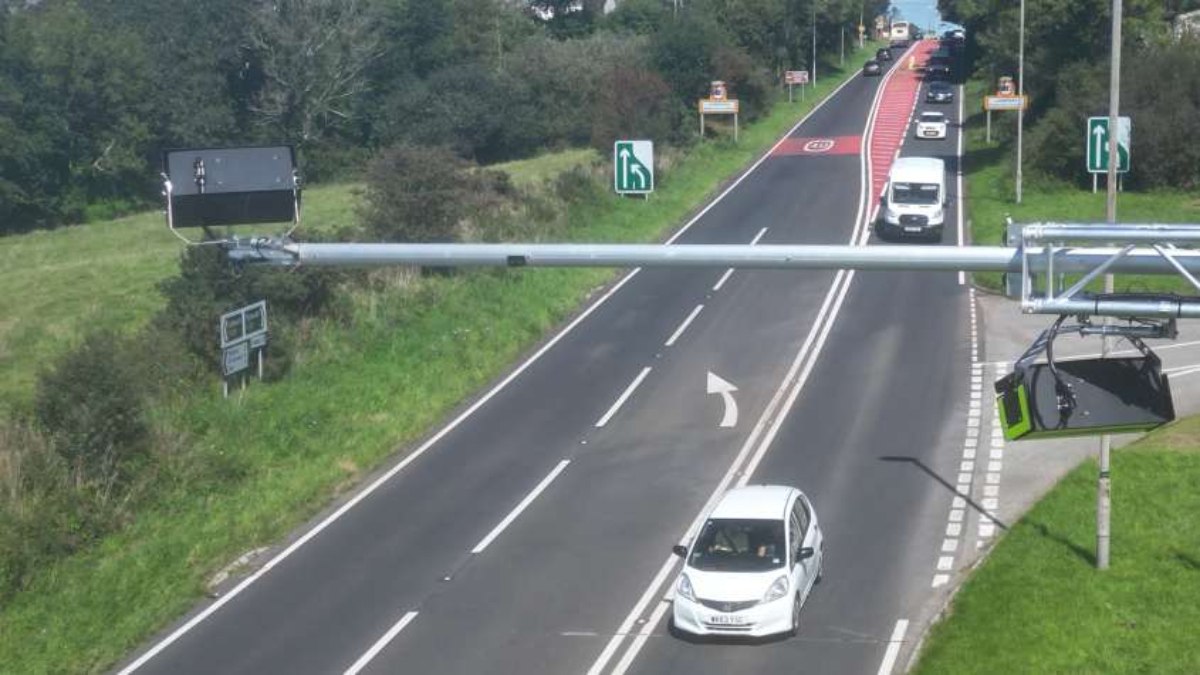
x,y
915,200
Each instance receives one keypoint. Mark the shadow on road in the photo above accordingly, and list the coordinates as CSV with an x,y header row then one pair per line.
x,y
953,490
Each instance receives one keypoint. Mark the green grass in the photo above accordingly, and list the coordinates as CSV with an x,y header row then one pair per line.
x,y
354,397
102,275
1038,605
530,172
991,196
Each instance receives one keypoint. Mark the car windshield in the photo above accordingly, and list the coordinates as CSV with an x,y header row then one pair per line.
x,y
739,545
914,193
932,117
939,87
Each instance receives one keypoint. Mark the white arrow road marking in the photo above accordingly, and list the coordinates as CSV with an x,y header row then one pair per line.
x,y
716,385
1099,132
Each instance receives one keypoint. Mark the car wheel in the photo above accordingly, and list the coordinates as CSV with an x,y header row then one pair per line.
x,y
821,569
795,616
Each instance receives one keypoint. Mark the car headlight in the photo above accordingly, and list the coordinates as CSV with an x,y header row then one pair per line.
x,y
684,588
778,589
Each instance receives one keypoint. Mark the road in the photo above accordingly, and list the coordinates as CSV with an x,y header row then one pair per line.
x,y
533,533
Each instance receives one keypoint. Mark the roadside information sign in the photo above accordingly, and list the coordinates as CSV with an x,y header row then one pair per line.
x,y
1097,144
633,167
1005,102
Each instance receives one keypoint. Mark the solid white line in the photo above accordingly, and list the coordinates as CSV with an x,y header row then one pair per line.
x,y
380,644
521,507
893,648
962,276
627,393
683,326
860,235
723,279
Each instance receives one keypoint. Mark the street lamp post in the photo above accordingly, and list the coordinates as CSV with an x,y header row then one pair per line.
x,y
1103,483
814,43
1021,95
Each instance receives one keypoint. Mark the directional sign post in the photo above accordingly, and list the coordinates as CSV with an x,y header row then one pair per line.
x,y
633,167
1097,140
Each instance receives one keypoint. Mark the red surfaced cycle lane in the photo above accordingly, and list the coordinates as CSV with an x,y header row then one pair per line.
x,y
893,116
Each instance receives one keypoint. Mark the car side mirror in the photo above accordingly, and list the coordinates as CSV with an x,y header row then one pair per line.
x,y
679,550
805,553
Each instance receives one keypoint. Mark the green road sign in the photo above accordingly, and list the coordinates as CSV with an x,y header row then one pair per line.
x,y
1097,148
633,167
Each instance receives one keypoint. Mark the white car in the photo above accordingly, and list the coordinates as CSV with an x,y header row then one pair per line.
x,y
931,125
751,566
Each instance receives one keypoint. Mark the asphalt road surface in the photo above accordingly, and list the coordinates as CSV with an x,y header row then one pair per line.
x,y
533,534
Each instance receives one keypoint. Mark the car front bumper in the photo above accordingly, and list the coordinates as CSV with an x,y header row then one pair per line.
x,y
760,620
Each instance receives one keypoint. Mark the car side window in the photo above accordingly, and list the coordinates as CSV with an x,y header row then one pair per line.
x,y
797,537
800,517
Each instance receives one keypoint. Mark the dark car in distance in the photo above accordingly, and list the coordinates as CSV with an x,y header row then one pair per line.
x,y
871,68
939,92
937,71
883,54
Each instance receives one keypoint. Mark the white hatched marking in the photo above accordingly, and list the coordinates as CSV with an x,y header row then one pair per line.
x,y
945,563
940,580
956,515
949,545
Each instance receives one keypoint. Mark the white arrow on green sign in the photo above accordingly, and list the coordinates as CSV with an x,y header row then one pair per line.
x,y
1097,148
633,167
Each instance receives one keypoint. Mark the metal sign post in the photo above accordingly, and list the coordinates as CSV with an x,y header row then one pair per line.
x,y
792,77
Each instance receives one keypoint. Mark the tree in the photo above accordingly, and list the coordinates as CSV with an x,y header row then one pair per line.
x,y
314,56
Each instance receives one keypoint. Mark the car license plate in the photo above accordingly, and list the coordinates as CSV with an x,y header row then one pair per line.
x,y
727,620
912,229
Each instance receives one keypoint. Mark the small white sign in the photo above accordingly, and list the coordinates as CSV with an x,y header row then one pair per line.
x,y
235,359
711,107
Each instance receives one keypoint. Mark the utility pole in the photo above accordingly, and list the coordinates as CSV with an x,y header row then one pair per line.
x,y
1021,95
842,53
814,42
1103,482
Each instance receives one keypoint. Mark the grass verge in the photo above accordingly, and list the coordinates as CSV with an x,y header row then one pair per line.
x,y
1038,605
358,394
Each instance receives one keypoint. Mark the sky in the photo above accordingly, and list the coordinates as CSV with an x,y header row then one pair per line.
x,y
924,13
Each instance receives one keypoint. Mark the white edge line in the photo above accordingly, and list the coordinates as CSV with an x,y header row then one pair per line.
x,y
380,644
723,279
366,492
521,507
624,395
893,648
858,235
758,236
683,326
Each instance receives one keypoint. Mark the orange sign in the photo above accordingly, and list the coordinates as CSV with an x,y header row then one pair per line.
x,y
717,91
1006,87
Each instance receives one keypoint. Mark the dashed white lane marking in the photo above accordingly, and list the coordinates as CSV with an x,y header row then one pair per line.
x,y
723,279
380,644
624,396
758,236
683,326
893,649
966,469
521,507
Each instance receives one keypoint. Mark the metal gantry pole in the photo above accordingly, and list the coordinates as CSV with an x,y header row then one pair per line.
x,y
1103,480
814,42
1021,95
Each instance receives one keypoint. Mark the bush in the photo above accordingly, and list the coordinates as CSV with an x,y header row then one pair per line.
x,y
208,285
428,194
90,406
